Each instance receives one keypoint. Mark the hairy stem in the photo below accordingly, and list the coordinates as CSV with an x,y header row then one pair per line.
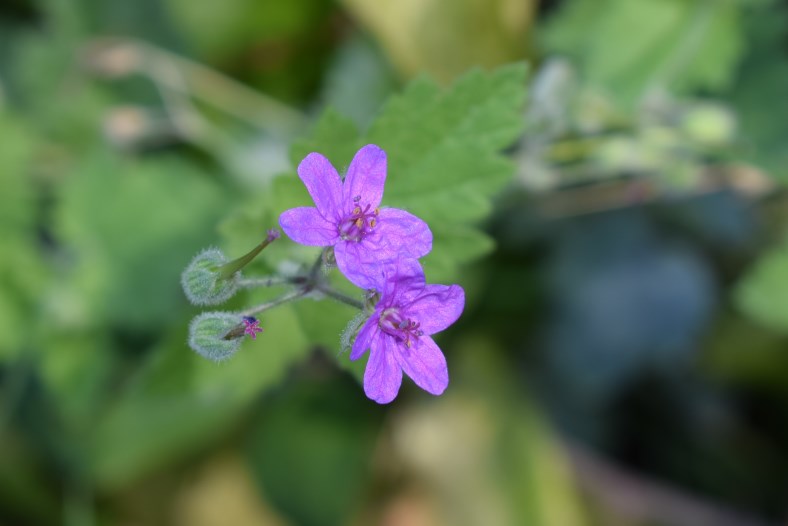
x,y
268,281
313,281
347,300
285,298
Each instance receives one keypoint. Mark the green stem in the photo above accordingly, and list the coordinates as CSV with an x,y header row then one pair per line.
x,y
314,272
269,281
290,296
347,300
228,269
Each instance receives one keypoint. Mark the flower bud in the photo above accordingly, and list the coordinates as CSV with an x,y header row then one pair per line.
x,y
202,282
208,335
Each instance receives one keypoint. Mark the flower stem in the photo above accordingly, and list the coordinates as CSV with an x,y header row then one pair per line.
x,y
312,281
347,300
314,272
285,298
268,281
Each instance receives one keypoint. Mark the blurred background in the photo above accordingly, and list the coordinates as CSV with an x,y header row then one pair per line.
x,y
623,356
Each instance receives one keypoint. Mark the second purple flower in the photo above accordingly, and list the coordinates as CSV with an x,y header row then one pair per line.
x,y
398,333
346,216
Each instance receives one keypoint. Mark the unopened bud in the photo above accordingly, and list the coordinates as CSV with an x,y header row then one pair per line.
x,y
202,281
208,331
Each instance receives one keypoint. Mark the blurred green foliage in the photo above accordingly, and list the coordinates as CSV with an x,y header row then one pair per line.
x,y
673,44
22,273
615,215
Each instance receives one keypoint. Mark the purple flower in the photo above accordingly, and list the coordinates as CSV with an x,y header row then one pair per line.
x,y
398,332
347,216
251,326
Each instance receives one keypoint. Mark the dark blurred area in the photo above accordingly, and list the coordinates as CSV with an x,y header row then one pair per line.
x,y
623,356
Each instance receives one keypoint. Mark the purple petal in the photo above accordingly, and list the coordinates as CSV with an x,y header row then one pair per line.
x,y
437,307
383,375
364,338
371,264
323,183
366,176
425,364
404,233
405,280
358,264
306,226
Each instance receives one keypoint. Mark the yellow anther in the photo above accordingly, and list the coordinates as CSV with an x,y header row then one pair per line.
x,y
357,211
377,211
372,223
359,222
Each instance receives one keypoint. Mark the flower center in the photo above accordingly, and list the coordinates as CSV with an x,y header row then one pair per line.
x,y
404,329
358,223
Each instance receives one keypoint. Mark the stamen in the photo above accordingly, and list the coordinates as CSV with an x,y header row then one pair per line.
x,y
403,329
358,223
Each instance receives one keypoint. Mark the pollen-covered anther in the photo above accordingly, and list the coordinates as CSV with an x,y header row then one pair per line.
x,y
358,223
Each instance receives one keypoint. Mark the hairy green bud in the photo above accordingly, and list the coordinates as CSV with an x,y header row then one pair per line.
x,y
215,335
202,281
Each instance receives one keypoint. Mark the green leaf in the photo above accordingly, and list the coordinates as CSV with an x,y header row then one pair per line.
x,y
452,243
308,437
763,292
334,135
627,47
77,369
133,226
759,93
359,81
180,402
21,270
